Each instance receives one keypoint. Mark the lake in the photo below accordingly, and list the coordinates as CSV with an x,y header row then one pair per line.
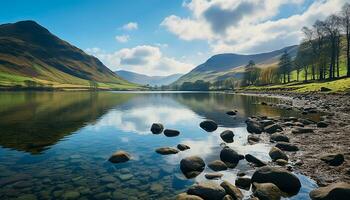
x,y
56,145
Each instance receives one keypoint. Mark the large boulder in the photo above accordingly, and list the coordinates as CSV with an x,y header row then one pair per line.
x,y
276,153
119,157
243,182
208,125
207,191
273,128
232,190
279,138
183,147
157,128
185,196
227,136
254,126
283,179
167,150
335,191
217,165
230,156
285,146
266,191
256,161
192,166
171,133
333,159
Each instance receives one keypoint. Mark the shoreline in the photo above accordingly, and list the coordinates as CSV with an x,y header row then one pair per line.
x,y
335,138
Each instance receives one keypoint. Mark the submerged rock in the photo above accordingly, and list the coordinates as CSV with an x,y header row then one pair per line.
x,y
228,155
227,136
157,128
279,138
231,112
256,161
119,157
266,191
167,150
217,165
171,133
283,179
286,146
208,125
333,159
253,139
207,190
214,175
336,191
192,166
276,153
232,190
183,147
185,196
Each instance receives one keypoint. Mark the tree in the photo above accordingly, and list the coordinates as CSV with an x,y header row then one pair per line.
x,y
285,66
251,74
331,25
345,16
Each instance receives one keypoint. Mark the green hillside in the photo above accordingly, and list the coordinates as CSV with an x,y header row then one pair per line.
x,y
32,57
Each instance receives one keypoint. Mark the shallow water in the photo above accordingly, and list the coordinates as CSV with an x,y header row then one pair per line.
x,y
55,145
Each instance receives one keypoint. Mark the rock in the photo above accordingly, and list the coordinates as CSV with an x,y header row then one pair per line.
x,y
207,191
208,125
157,188
306,121
167,150
119,157
325,89
157,128
243,183
228,155
171,133
281,162
253,139
279,138
301,130
266,122
283,179
217,165
284,146
231,112
263,103
267,191
182,147
252,159
273,128
192,166
71,195
335,191
214,175
185,196
227,136
333,159
254,126
322,124
240,174
227,197
276,153
232,190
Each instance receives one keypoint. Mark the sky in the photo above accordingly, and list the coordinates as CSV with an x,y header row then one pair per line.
x,y
163,37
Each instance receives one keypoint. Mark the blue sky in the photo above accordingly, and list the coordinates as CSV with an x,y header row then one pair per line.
x,y
171,35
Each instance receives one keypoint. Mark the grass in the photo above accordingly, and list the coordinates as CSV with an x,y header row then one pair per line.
x,y
339,85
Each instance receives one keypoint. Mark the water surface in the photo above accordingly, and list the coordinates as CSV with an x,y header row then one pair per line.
x,y
55,145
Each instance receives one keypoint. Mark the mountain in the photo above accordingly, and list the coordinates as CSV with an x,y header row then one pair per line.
x,y
150,80
31,56
227,65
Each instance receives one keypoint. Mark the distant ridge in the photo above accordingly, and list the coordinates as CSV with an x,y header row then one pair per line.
x,y
143,79
227,65
31,56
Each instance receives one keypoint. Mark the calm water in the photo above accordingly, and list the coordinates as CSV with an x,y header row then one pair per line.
x,y
56,145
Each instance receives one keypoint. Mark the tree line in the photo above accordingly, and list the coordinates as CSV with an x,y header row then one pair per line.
x,y
318,56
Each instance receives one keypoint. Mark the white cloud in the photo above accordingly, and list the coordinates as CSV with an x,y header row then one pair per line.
x,y
130,26
122,38
246,26
145,59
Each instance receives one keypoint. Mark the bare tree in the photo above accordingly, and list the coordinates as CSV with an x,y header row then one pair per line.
x,y
345,15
